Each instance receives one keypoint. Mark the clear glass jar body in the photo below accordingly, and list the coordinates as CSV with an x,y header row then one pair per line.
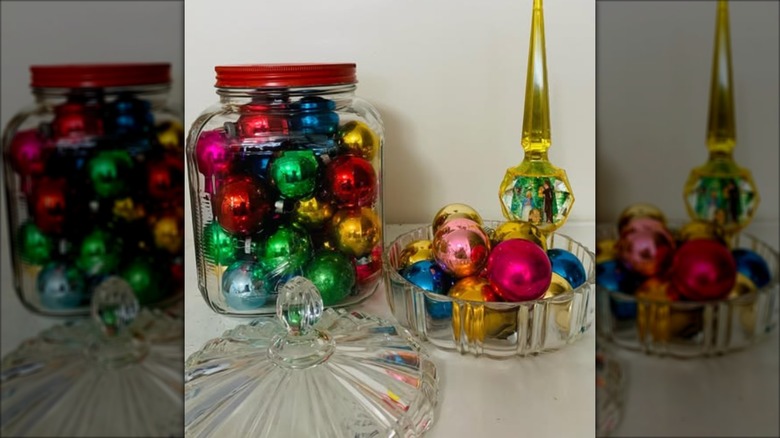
x,y
94,182
284,182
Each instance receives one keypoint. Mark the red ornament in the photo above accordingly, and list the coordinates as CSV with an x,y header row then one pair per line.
x,y
261,124
369,265
242,205
49,205
27,153
351,181
703,270
76,119
165,178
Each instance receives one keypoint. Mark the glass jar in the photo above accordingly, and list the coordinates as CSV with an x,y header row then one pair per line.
x,y
286,179
94,174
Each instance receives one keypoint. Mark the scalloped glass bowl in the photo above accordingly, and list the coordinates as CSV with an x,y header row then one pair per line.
x,y
527,328
686,329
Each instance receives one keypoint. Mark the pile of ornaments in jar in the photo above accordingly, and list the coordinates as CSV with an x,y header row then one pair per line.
x,y
467,261
101,194
694,263
291,193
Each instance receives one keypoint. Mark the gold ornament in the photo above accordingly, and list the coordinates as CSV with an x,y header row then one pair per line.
x,y
745,307
170,135
640,210
356,231
475,320
127,209
167,235
519,230
560,308
656,319
356,138
699,229
312,212
452,211
414,252
606,250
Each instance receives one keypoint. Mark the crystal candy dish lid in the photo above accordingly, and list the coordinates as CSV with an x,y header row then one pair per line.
x,y
117,374
310,372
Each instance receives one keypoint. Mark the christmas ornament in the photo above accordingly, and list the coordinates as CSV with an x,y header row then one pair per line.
x,y
351,181
99,254
61,287
721,191
165,178
242,286
640,210
212,156
477,321
356,138
613,276
460,247
333,273
646,252
261,122
606,250
428,275
170,135
28,153
36,248
50,205
656,318
128,209
752,266
242,205
355,231
536,191
314,116
568,266
145,279
698,229
110,173
76,118
644,224
287,246
703,270
474,289
168,234
415,252
519,230
128,116
367,266
312,212
294,174
520,270
455,211
219,245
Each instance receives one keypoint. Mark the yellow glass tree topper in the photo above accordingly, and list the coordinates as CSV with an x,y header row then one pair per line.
x,y
720,191
536,191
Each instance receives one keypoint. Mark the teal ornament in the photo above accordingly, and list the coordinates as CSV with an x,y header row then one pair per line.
x,y
428,275
294,174
568,266
99,254
110,172
35,247
220,246
314,115
334,275
243,286
61,287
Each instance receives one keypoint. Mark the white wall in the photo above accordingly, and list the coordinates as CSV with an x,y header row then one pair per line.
x,y
654,61
447,76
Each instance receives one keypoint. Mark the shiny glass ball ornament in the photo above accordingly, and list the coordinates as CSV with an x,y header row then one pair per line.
x,y
243,287
220,246
606,249
287,245
703,270
698,229
294,174
312,212
168,233
110,173
414,252
351,181
242,205
455,211
212,155
474,288
165,178
261,124
428,275
28,153
36,248
568,266
657,319
368,266
558,285
170,135
145,278
315,116
99,254
476,320
519,230
333,273
643,224
76,119
49,203
520,270
355,231
640,210
612,275
356,138
752,266
646,252
61,286
128,209
129,116
461,247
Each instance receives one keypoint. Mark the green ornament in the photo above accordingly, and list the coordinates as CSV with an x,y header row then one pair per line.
x,y
99,254
36,247
145,279
110,172
294,173
286,248
220,245
333,273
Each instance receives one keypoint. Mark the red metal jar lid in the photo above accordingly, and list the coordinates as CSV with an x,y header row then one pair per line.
x,y
99,75
284,75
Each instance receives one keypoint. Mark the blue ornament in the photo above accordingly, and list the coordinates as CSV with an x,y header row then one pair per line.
x,y
61,287
612,276
752,266
243,286
315,116
426,274
129,116
568,266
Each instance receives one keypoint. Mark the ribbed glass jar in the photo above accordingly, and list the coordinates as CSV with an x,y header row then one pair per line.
x,y
286,179
94,174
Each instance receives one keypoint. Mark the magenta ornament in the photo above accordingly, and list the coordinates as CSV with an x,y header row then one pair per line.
x,y
461,247
519,269
213,157
703,270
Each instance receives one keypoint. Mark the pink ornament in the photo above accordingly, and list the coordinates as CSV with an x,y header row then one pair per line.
x,y
27,153
519,269
646,251
461,247
703,270
644,224
213,157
